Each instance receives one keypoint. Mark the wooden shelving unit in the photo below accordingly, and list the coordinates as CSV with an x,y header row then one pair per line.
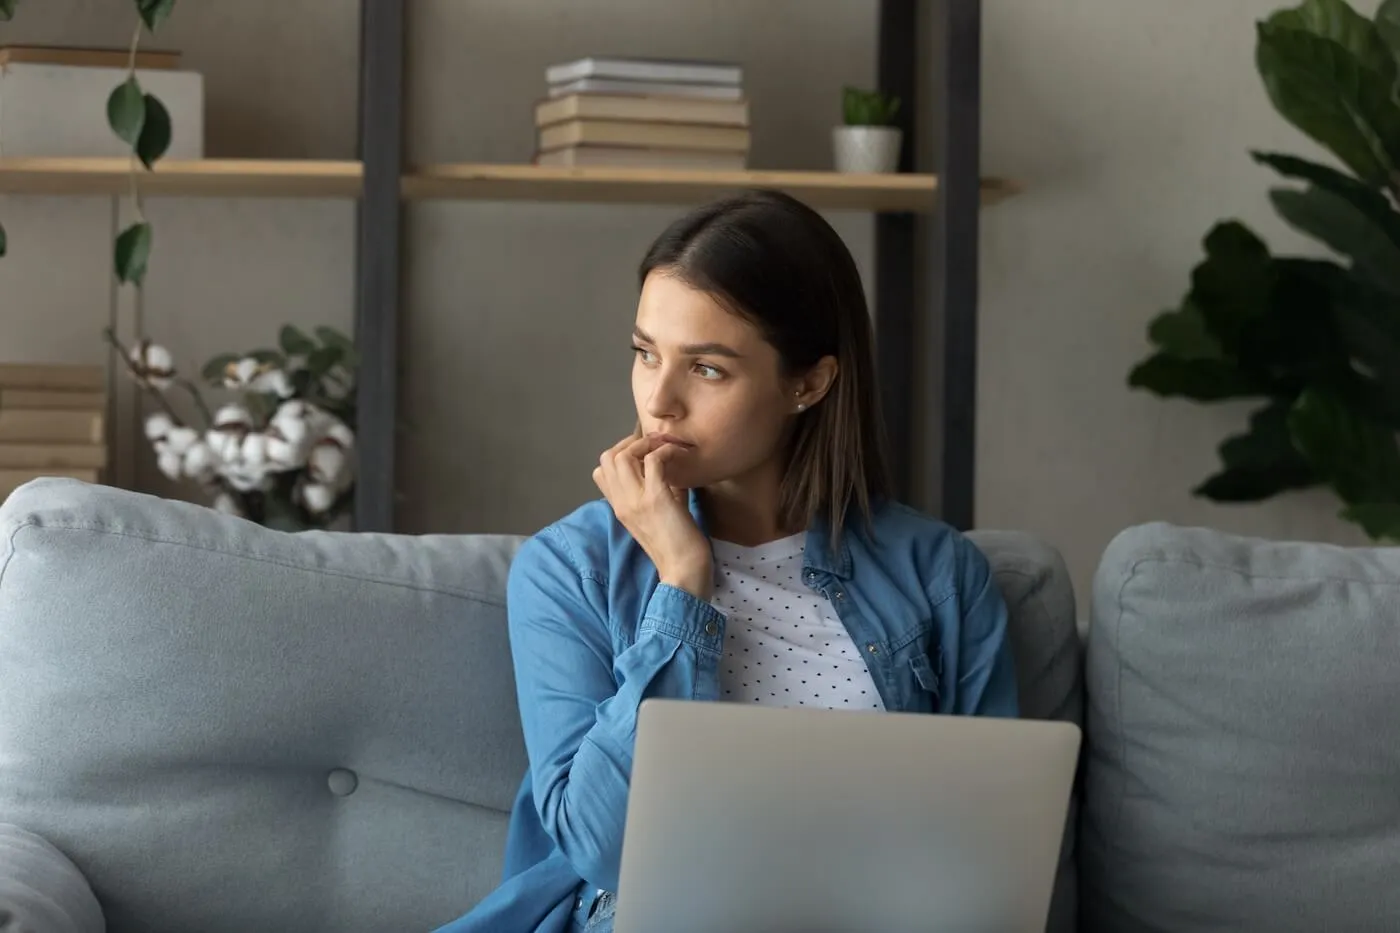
x,y
829,190
191,178
475,181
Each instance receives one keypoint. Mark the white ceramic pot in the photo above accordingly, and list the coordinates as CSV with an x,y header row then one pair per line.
x,y
866,149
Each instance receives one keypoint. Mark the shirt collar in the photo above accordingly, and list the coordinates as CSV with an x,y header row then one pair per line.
x,y
818,553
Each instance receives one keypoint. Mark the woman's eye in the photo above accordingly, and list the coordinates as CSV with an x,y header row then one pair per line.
x,y
646,355
707,371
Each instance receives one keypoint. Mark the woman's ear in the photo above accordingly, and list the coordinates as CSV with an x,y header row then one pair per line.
x,y
813,385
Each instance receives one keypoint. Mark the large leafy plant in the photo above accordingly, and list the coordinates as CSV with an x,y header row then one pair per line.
x,y
141,121
1315,342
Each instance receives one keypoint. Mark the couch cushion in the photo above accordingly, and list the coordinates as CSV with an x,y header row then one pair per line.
x,y
229,728
1244,737
1045,638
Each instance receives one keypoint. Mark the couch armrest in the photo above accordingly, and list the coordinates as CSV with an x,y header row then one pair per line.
x,y
41,891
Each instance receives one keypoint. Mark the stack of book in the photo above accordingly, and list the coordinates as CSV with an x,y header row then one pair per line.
x,y
644,113
52,423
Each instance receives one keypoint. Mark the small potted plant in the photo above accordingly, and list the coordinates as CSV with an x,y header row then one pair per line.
x,y
869,142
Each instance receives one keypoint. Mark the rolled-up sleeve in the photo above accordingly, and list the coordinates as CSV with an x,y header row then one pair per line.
x,y
579,704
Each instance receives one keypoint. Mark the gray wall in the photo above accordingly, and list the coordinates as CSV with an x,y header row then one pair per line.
x,y
1128,121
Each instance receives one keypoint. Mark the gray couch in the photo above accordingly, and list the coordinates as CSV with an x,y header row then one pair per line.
x,y
208,726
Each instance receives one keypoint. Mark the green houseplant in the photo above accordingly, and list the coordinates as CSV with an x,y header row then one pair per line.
x,y
1314,344
142,122
868,141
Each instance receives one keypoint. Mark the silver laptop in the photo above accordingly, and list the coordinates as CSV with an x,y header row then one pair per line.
x,y
764,820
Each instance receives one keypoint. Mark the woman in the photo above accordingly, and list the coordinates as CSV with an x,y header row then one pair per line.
x,y
745,549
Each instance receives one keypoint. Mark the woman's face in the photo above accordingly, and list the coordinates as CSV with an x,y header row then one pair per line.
x,y
706,379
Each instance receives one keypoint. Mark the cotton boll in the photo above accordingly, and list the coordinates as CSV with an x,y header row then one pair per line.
x,y
231,425
254,450
239,374
327,464
227,504
338,431
317,497
245,478
200,462
152,364
181,439
170,463
158,425
275,381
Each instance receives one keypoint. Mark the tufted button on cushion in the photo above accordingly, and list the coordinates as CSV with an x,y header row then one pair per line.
x,y
342,782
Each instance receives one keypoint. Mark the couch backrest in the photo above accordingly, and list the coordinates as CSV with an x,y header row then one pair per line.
x,y
1244,734
229,728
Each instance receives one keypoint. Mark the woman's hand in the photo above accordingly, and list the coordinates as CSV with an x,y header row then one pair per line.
x,y
632,475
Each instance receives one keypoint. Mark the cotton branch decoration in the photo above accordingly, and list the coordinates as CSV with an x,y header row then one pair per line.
x,y
281,452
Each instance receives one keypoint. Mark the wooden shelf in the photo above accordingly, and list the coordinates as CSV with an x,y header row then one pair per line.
x,y
483,181
474,181
192,178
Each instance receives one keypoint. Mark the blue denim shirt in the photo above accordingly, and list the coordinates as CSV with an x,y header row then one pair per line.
x,y
594,633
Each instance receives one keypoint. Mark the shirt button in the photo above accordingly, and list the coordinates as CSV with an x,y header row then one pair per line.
x,y
711,629
873,648
840,595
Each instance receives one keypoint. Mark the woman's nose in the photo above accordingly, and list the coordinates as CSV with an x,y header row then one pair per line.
x,y
664,400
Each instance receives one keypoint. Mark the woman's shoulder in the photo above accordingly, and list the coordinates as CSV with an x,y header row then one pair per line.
x,y
940,553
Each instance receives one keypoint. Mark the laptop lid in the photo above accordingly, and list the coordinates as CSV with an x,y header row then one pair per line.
x,y
771,820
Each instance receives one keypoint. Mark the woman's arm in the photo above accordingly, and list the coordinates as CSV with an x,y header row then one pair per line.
x,y
578,706
986,668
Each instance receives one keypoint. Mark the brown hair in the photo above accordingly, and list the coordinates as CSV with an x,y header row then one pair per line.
x,y
778,264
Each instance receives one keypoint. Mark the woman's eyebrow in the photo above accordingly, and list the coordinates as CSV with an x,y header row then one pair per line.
x,y
694,349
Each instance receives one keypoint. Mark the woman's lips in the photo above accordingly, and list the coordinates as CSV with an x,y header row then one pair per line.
x,y
672,439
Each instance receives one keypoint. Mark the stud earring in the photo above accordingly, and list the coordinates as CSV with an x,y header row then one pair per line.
x,y
800,406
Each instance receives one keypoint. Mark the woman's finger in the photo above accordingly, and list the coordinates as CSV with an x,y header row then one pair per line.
x,y
654,470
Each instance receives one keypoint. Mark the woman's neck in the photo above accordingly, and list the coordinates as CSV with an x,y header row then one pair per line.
x,y
745,511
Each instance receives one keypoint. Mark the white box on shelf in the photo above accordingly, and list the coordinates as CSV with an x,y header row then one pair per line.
x,y
60,111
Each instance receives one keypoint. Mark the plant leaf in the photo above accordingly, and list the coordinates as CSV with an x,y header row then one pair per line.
x,y
7,10
213,370
1369,323
1380,520
1369,200
133,253
3,240
1345,228
126,111
1201,380
1262,462
1337,21
1357,455
334,338
155,12
294,342
1232,285
1330,94
155,132
1183,334
1297,339
323,359
1388,25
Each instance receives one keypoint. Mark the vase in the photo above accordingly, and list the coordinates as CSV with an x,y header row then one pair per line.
x,y
867,150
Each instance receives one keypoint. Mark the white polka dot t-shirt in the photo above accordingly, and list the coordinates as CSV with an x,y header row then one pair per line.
x,y
784,644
